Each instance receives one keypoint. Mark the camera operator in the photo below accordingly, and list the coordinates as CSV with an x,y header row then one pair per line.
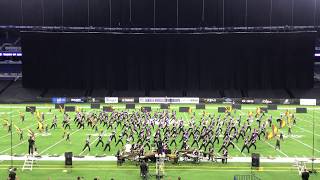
x,y
12,174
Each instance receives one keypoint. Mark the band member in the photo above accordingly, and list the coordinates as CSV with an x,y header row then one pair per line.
x,y
21,116
107,144
277,144
54,122
42,116
211,154
184,145
68,137
9,127
196,155
120,139
246,142
216,136
20,134
294,119
289,130
281,136
81,124
174,136
67,123
253,141
270,121
204,143
87,145
279,121
242,133
225,156
196,139
31,142
100,139
113,135
230,143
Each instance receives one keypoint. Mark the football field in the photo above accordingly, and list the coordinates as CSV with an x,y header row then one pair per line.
x,y
52,144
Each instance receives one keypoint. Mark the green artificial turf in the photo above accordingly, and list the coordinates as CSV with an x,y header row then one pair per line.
x,y
55,170
297,145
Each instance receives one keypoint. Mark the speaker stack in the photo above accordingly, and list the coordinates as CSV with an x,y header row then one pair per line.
x,y
255,160
68,158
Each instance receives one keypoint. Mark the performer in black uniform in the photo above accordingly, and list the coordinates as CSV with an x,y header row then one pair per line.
x,y
87,145
277,144
31,142
100,139
107,145
246,142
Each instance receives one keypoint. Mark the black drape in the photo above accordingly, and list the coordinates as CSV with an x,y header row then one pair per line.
x,y
160,13
168,61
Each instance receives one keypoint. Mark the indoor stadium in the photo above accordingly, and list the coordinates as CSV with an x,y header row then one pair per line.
x,y
159,89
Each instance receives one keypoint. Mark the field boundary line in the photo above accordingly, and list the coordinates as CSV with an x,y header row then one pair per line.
x,y
57,143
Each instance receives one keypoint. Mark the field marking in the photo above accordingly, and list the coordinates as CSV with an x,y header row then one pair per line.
x,y
307,131
240,150
90,146
17,144
22,128
273,147
310,147
309,122
57,143
276,149
169,169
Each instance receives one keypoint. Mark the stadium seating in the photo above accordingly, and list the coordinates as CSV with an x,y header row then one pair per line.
x,y
16,93
310,93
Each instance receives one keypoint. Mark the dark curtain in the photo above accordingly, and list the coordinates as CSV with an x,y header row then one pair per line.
x,y
168,61
166,13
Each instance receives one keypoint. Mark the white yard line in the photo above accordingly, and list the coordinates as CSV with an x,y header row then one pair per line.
x,y
309,122
310,132
277,149
310,147
59,140
240,150
16,145
90,146
22,129
57,143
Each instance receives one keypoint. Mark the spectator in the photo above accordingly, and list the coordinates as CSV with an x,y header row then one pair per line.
x,y
305,175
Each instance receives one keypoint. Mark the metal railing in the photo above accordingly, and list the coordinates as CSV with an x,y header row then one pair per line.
x,y
246,177
164,29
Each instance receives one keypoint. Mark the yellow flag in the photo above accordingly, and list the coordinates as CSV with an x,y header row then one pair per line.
x,y
287,113
269,135
40,126
61,109
30,132
258,111
283,123
274,130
